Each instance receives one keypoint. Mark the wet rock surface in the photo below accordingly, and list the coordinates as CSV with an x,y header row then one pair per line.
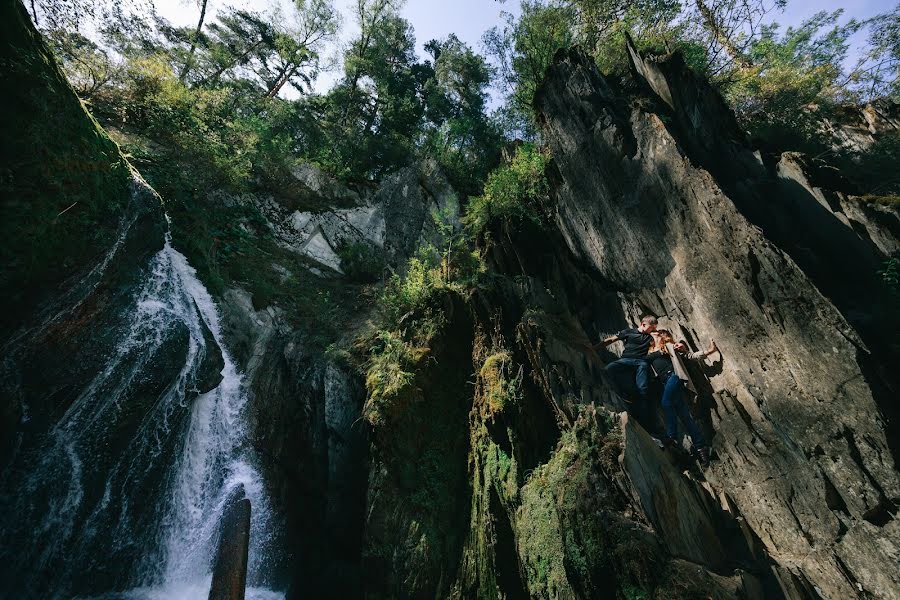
x,y
306,429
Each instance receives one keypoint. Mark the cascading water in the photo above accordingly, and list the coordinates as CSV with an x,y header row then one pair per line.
x,y
123,496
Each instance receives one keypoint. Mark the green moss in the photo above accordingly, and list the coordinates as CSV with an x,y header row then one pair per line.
x,y
499,387
886,200
417,403
64,183
572,538
391,375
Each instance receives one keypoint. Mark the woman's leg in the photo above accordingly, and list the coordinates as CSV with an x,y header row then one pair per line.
x,y
689,423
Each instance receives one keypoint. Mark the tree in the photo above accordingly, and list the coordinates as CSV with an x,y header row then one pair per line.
x,y
298,46
89,67
237,40
372,118
729,27
522,50
460,135
369,16
188,63
791,74
877,73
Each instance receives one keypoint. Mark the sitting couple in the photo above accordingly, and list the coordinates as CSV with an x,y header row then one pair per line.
x,y
653,352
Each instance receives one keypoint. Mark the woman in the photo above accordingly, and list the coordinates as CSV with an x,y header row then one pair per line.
x,y
665,358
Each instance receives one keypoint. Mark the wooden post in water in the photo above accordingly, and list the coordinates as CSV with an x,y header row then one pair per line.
x,y
229,580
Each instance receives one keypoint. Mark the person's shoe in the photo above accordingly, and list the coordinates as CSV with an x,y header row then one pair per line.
x,y
669,442
703,456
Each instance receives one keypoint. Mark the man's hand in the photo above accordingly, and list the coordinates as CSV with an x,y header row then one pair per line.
x,y
606,342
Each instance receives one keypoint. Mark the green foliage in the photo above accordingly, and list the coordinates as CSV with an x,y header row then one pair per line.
x,y
875,73
500,388
410,292
571,540
411,317
459,135
524,48
890,275
88,66
516,191
789,72
390,373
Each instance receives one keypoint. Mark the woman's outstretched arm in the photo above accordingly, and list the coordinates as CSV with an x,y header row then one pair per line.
x,y
700,354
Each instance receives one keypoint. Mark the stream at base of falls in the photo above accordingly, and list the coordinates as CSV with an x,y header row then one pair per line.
x,y
123,496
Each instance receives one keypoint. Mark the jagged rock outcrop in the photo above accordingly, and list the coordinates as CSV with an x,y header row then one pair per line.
x,y
390,221
857,128
658,205
663,200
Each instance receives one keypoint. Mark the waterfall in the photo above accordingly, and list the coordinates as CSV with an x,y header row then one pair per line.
x,y
123,496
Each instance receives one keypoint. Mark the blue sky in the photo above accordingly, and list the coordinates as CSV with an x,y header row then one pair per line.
x,y
469,19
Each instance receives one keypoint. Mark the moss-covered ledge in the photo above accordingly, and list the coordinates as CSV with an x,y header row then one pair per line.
x,y
64,185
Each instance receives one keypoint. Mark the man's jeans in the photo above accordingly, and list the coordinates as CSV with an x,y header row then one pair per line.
x,y
622,368
636,370
673,406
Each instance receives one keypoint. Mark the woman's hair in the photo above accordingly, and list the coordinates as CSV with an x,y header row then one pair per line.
x,y
663,337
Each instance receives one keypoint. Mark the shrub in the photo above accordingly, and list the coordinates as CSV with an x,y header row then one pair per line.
x,y
500,386
890,275
361,262
515,191
390,372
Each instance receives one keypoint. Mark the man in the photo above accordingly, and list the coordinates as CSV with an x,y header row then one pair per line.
x,y
631,366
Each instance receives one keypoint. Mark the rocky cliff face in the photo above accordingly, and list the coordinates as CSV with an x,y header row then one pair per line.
x,y
659,206
510,469
307,401
99,368
74,246
680,217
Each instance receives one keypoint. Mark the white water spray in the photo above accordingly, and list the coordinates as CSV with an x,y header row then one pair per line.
x,y
92,499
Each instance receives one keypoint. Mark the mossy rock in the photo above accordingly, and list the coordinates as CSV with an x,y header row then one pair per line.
x,y
63,182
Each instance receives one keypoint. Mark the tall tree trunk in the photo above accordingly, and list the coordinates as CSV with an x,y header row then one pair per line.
x,y
716,29
279,83
189,63
34,13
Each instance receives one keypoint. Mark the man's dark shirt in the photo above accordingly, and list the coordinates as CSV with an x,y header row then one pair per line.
x,y
636,343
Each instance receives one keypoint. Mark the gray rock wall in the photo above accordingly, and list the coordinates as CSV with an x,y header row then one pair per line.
x,y
658,196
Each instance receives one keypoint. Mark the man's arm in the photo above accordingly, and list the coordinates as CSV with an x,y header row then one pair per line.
x,y
605,342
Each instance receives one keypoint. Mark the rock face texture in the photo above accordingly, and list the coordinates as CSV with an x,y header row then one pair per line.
x,y
390,221
99,334
73,247
669,207
857,128
510,469
307,403
657,205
